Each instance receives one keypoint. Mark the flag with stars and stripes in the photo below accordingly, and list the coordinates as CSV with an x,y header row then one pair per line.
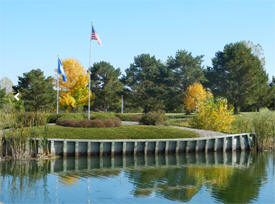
x,y
95,36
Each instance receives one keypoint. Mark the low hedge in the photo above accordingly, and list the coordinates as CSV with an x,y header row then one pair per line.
x,y
53,117
85,123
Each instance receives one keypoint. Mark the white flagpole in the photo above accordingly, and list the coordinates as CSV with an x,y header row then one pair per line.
x,y
57,95
121,103
90,65
57,91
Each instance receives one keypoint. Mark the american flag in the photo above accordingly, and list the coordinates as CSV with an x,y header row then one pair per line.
x,y
94,36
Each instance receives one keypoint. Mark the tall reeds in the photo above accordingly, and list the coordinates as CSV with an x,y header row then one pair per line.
x,y
22,139
263,125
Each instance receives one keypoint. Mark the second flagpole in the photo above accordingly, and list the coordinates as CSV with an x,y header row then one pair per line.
x,y
89,72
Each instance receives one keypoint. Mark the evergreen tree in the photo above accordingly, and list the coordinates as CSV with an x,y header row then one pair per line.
x,y
145,79
2,97
106,86
184,70
156,85
272,94
187,69
238,75
36,90
262,91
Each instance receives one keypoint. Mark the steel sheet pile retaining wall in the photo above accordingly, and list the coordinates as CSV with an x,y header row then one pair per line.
x,y
76,147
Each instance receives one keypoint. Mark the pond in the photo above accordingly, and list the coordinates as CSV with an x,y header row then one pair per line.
x,y
195,178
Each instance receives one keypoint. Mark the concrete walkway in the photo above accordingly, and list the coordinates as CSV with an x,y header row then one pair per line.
x,y
201,133
129,123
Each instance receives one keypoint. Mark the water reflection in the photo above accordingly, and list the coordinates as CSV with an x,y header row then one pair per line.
x,y
236,159
228,177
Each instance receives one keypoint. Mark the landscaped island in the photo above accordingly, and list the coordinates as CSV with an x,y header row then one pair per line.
x,y
122,132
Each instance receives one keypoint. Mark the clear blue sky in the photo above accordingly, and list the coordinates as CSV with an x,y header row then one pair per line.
x,y
34,32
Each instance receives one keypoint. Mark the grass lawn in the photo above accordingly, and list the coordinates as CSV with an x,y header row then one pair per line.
x,y
123,132
181,120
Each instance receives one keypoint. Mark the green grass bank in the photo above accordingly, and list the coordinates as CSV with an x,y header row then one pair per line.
x,y
123,132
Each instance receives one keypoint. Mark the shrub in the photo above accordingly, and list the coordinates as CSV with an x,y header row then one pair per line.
x,y
109,123
153,118
53,117
97,124
65,122
213,115
117,123
83,123
88,123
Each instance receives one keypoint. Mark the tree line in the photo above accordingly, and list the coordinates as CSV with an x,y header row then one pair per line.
x,y
237,74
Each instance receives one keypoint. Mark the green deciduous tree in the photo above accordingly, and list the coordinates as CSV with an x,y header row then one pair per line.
x,y
106,86
36,90
238,74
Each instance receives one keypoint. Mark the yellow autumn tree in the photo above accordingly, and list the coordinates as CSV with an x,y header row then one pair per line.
x,y
195,93
74,91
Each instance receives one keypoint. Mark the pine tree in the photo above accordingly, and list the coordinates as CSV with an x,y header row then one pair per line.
x,y
238,75
36,90
106,86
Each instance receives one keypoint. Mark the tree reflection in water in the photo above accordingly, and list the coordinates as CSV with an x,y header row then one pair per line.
x,y
227,184
229,178
23,177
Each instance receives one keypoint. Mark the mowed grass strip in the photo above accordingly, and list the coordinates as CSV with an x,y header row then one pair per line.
x,y
123,132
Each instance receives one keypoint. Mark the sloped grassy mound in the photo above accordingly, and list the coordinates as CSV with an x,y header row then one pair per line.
x,y
123,132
